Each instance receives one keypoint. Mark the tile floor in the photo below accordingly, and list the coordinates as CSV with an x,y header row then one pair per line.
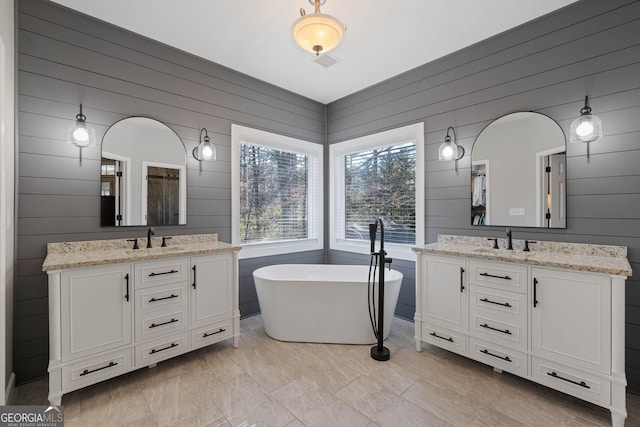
x,y
271,383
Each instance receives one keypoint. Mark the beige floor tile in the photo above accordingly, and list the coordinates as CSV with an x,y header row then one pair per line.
x,y
265,382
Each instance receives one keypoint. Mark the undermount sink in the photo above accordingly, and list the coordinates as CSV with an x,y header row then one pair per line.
x,y
156,250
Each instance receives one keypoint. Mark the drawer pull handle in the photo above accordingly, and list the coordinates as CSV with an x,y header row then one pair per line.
x,y
461,279
155,325
505,358
87,372
504,331
154,351
219,331
535,292
497,277
504,304
164,298
172,271
442,338
194,276
555,375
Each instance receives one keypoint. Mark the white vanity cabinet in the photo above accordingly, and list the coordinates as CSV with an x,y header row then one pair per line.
x,y
211,299
106,320
90,312
445,303
563,328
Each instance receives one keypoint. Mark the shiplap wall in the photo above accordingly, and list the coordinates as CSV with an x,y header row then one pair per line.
x,y
548,65
66,59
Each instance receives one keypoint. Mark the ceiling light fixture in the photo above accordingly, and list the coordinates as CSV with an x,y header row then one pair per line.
x,y
319,32
449,150
587,127
79,134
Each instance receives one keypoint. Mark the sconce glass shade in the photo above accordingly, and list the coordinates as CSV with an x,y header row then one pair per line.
x,y
449,150
587,127
319,32
79,133
205,151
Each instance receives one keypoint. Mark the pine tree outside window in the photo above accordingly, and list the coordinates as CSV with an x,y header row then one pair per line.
x,y
379,176
276,193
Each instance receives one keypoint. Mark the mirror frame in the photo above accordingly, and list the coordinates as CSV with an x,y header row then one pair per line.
x,y
539,180
184,171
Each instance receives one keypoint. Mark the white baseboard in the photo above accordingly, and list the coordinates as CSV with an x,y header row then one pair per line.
x,y
10,392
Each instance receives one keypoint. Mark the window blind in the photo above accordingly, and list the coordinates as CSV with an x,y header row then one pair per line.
x,y
276,194
380,183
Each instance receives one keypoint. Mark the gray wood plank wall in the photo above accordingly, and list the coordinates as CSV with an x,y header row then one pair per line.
x,y
66,59
549,65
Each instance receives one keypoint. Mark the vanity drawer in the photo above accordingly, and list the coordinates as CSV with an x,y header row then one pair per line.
x,y
572,381
99,368
507,359
498,304
207,335
161,349
509,277
452,341
162,324
506,331
165,297
153,273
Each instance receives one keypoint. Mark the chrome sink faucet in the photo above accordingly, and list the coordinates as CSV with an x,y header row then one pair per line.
x,y
509,243
150,232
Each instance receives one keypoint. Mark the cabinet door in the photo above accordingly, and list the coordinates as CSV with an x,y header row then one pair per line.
x,y
211,290
571,318
96,307
445,299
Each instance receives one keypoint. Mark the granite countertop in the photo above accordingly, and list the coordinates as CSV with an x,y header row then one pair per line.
x,y
66,255
573,256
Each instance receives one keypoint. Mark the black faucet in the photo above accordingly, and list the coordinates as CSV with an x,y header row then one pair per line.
x,y
150,232
509,245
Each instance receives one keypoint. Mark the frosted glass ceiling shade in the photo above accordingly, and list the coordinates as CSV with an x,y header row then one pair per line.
x,y
319,32
587,127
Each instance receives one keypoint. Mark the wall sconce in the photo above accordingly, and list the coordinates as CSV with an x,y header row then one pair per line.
x,y
587,127
205,151
449,150
79,134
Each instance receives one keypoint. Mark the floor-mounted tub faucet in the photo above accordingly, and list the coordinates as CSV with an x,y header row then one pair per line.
x,y
509,243
150,232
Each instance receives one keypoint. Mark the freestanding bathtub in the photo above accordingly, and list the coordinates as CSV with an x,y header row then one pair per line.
x,y
322,303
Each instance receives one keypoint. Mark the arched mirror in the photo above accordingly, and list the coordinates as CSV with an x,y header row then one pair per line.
x,y
143,174
518,173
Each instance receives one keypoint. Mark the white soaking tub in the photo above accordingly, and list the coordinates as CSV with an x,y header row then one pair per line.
x,y
322,303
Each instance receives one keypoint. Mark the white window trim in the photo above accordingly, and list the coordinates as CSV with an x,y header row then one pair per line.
x,y
241,134
338,151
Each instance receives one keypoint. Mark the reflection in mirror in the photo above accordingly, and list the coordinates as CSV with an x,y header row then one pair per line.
x,y
518,173
143,174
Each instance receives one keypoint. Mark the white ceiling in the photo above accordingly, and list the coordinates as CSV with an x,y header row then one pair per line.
x,y
384,37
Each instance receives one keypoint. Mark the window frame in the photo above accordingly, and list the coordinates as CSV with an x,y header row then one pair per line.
x,y
337,153
242,134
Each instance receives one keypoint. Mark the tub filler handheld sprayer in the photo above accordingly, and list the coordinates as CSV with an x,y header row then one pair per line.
x,y
378,352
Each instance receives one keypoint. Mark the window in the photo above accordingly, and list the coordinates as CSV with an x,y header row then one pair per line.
x,y
276,193
378,176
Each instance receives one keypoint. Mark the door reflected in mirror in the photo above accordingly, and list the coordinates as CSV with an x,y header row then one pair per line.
x,y
518,173
143,175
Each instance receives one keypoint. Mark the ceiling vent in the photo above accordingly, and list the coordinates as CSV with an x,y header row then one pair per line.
x,y
327,60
